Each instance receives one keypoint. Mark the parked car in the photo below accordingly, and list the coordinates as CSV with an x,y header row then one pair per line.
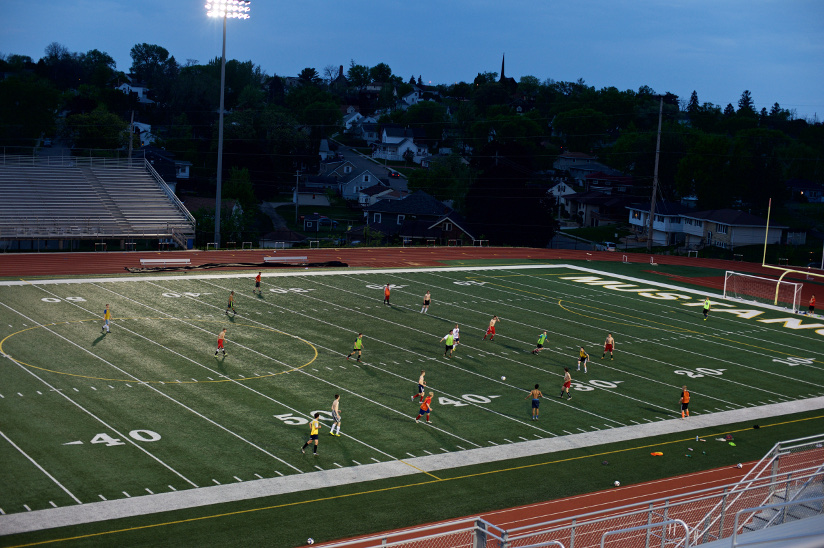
x,y
394,174
605,246
326,221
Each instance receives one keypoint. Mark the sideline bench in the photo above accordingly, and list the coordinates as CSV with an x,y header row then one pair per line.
x,y
282,259
165,262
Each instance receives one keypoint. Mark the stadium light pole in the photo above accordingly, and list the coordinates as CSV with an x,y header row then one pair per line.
x,y
225,9
655,174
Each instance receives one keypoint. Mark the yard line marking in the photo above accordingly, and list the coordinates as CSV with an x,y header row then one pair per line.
x,y
237,478
374,459
101,497
356,462
427,452
19,394
461,448
493,443
410,454
278,473
319,468
98,419
258,476
523,438
53,504
77,500
149,491
2,513
128,496
172,488
93,388
216,482
26,506
338,465
112,387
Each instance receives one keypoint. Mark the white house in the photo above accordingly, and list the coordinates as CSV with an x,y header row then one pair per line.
x,y
351,119
350,185
667,226
144,132
395,142
138,89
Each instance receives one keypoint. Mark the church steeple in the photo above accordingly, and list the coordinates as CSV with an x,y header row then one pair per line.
x,y
503,60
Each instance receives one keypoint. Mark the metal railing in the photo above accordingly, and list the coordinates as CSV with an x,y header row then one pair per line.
x,y
782,506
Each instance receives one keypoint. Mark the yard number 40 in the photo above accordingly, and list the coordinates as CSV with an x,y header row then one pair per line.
x,y
700,372
137,435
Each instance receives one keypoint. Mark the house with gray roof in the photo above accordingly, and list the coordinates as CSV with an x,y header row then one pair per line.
x,y
418,217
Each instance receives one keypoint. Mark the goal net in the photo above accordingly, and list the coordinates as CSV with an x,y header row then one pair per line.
x,y
747,287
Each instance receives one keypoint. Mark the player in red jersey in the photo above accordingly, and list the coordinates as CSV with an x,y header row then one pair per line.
x,y
426,407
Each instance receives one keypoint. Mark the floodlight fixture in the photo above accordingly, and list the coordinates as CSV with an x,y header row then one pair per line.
x,y
232,9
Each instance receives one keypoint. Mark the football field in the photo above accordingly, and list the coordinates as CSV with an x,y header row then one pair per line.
x,y
150,409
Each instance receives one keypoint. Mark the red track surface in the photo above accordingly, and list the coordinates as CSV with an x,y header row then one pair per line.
x,y
61,264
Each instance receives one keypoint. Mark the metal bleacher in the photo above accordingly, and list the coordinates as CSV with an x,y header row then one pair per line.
x,y
71,198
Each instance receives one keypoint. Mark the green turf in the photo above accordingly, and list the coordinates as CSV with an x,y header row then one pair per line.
x,y
154,384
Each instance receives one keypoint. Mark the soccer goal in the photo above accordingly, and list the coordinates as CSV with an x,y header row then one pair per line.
x,y
747,287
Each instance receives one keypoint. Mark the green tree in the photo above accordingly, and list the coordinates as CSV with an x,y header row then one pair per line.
x,y
693,106
98,67
29,103
756,168
358,75
428,116
704,171
239,187
149,63
380,73
582,128
98,130
309,76
529,85
745,102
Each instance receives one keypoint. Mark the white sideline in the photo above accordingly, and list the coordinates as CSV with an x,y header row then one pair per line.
x,y
204,496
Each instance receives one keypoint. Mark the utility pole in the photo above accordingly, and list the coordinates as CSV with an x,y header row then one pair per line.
x,y
297,188
131,138
655,174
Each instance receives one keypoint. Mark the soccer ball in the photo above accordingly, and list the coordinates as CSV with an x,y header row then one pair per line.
x,y
738,465
503,378
617,483
310,540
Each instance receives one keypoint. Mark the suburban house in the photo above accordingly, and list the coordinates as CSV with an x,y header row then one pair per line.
x,y
676,224
419,217
667,227
608,183
560,190
144,133
395,142
140,91
595,208
167,166
373,194
350,119
584,168
804,190
350,185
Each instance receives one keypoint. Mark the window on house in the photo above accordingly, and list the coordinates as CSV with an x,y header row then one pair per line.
x,y
376,218
366,178
699,223
347,169
447,227
659,218
636,214
401,218
721,229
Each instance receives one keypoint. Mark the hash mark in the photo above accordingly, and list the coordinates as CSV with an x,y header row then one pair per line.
x,y
128,496
172,488
149,491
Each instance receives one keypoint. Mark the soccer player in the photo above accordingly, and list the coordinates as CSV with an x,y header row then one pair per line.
x,y
456,336
582,359
421,386
706,308
314,426
107,316
335,416
567,384
810,309
357,348
541,342
426,407
609,345
386,295
685,402
220,338
231,305
426,300
535,394
491,329
450,344
257,284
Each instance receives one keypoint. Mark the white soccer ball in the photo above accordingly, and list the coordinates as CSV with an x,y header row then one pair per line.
x,y
617,483
503,378
738,465
310,540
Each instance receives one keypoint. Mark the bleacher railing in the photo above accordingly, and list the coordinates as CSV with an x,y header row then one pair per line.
x,y
171,195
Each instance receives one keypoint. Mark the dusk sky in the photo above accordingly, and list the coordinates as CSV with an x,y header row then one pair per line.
x,y
774,48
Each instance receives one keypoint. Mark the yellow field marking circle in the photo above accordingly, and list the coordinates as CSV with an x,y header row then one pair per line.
x,y
314,357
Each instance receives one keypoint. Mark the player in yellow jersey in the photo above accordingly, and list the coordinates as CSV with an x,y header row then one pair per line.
x,y
314,426
107,316
357,347
582,359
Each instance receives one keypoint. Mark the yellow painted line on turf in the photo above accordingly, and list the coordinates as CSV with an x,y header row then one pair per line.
x,y
314,349
421,470
664,326
387,489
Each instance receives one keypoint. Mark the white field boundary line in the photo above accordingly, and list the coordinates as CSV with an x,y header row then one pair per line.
x,y
666,409
452,365
256,392
34,462
530,297
92,415
361,396
406,379
709,339
193,498
160,393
